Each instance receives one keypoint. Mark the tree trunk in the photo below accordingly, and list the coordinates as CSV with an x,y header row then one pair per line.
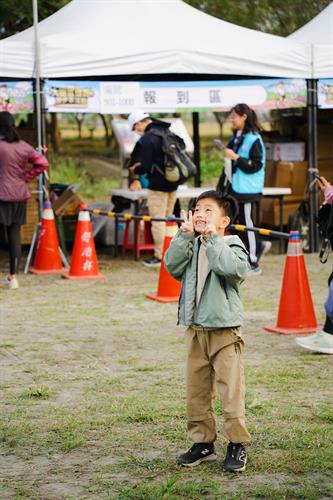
x,y
79,122
107,129
220,122
54,133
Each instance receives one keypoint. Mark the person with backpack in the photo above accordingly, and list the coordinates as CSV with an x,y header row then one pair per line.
x,y
247,153
166,165
323,341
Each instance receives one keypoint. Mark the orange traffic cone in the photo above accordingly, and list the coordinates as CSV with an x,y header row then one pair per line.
x,y
47,259
296,313
84,264
168,289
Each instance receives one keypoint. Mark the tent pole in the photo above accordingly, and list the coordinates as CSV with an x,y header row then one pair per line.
x,y
196,142
38,103
312,161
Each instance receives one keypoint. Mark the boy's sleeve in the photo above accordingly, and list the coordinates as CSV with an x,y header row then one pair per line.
x,y
228,261
179,254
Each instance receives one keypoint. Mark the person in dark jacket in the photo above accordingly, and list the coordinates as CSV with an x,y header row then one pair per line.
x,y
14,193
161,193
247,153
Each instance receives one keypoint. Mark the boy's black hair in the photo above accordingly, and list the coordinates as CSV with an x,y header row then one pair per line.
x,y
227,203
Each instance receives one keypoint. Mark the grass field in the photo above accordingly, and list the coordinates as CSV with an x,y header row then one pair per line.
x,y
92,393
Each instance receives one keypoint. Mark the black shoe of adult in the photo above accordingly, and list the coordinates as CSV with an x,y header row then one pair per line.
x,y
199,452
153,262
235,460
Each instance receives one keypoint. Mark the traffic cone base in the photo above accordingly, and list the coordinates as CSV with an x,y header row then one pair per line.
x,y
290,331
47,259
168,289
84,264
296,313
98,276
154,296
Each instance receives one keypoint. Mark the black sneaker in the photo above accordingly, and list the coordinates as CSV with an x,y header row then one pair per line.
x,y
153,262
199,452
235,460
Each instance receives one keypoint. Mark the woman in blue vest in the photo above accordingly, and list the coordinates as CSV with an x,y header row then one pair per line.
x,y
247,153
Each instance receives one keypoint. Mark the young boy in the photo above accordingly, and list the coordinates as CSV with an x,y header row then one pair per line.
x,y
211,267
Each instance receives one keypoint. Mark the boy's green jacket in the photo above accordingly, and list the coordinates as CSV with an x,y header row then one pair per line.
x,y
220,304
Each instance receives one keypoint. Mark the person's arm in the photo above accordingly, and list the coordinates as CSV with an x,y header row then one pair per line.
x,y
228,261
146,157
327,189
179,254
329,194
39,165
180,251
255,163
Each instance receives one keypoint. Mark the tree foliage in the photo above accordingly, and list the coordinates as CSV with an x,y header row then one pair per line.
x,y
272,16
16,15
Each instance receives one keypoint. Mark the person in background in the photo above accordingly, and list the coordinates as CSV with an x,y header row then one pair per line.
x,y
322,341
14,156
161,193
247,152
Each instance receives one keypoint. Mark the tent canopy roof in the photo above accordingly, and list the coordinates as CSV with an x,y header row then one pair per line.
x,y
319,33
129,37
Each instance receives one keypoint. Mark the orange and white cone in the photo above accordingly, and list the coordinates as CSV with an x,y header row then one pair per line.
x,y
47,258
168,289
84,264
296,313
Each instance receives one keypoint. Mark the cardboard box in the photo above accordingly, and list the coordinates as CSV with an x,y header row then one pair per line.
x,y
325,168
27,230
270,211
325,141
285,151
285,174
67,203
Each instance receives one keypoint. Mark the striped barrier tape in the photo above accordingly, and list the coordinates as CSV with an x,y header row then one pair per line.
x,y
146,218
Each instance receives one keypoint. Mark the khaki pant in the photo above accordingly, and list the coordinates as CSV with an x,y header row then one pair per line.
x,y
215,359
160,205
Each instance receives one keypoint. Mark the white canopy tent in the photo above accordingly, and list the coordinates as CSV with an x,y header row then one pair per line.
x,y
319,34
119,39
138,37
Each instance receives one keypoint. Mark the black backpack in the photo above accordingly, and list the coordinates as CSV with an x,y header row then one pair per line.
x,y
178,167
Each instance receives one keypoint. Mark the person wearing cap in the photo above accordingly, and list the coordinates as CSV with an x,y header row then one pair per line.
x,y
14,193
161,193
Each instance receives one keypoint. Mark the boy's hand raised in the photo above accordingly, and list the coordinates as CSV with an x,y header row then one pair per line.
x,y
210,230
187,225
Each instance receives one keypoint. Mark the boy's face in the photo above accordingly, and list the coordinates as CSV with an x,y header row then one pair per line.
x,y
207,211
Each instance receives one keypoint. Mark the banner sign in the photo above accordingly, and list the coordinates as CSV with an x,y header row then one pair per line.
x,y
16,97
325,93
123,97
72,97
